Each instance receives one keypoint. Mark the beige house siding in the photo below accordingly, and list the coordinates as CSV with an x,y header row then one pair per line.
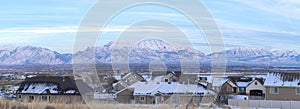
x,y
125,96
147,100
227,89
252,86
181,99
284,93
50,98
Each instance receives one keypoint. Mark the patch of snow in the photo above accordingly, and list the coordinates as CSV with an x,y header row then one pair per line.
x,y
273,79
39,88
70,91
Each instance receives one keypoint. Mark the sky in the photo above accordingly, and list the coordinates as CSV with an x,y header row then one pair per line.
x,y
53,24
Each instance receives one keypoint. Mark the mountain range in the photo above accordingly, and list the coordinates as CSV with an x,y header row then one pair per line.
x,y
146,52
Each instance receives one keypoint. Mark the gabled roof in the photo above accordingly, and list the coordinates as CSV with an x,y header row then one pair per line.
x,y
209,79
283,79
219,81
52,85
243,83
134,75
166,88
174,73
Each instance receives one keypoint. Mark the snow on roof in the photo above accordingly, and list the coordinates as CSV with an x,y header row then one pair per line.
x,y
40,88
282,79
153,87
203,83
146,77
143,88
209,78
191,88
219,81
158,78
7,74
52,85
117,77
243,84
70,91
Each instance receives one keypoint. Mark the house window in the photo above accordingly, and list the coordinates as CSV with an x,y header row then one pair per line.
x,y
242,89
298,90
142,98
20,96
197,99
44,98
255,83
166,80
31,98
274,90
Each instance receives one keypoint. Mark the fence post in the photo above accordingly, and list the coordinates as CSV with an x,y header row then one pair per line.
x,y
281,107
290,104
248,103
271,106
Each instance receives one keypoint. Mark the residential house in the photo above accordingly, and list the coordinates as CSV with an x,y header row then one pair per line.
x,y
282,86
241,83
53,90
224,87
256,88
152,92
205,81
250,86
127,80
171,76
189,78
131,78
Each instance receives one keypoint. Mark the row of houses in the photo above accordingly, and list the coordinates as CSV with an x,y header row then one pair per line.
x,y
274,86
173,87
152,92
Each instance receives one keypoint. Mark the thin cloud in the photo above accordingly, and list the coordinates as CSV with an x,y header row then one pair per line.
x,y
40,30
286,8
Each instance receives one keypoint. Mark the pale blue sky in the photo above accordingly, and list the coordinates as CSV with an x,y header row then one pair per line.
x,y
53,24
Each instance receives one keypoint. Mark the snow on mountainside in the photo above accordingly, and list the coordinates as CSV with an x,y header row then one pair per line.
x,y
145,52
28,55
139,52
257,56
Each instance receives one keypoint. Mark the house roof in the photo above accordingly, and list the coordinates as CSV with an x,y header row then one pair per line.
x,y
243,84
151,88
283,79
219,81
134,75
209,79
241,81
52,85
174,73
